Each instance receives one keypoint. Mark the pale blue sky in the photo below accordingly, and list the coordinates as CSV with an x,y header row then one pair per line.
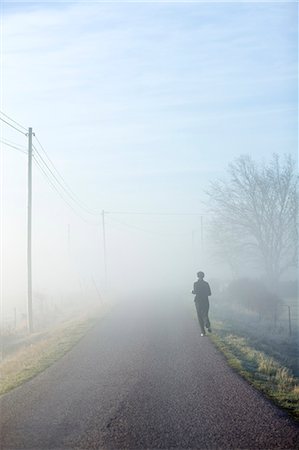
x,y
141,104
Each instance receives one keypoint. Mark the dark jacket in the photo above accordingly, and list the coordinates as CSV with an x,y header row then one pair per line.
x,y
202,290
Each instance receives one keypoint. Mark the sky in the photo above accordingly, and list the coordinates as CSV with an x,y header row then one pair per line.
x,y
140,105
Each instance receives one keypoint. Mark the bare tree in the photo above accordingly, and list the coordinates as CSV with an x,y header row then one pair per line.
x,y
255,214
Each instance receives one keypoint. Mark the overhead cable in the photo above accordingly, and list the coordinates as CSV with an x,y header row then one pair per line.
x,y
53,177
157,233
12,120
60,179
152,213
62,184
14,147
50,182
12,126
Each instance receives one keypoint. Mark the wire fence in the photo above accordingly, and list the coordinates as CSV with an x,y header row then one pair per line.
x,y
286,317
282,320
45,315
9,324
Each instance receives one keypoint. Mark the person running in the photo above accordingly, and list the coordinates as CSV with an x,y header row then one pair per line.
x,y
202,291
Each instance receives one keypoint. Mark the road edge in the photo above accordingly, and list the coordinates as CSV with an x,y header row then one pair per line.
x,y
287,400
32,360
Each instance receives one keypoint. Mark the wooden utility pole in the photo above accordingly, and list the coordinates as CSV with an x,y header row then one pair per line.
x,y
201,233
69,239
193,250
29,235
290,321
104,249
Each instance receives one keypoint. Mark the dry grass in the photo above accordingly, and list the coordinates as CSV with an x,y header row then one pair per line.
x,y
31,360
296,391
261,370
285,381
267,365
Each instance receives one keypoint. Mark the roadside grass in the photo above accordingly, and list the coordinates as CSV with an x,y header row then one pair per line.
x,y
31,360
261,370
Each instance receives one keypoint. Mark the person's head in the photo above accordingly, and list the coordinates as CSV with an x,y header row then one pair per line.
x,y
200,275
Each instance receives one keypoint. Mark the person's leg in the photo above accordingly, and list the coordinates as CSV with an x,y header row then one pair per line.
x,y
206,316
200,318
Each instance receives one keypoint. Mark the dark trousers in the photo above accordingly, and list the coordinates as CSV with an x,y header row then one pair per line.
x,y
202,309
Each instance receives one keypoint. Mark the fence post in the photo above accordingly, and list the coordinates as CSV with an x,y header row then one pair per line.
x,y
290,324
275,319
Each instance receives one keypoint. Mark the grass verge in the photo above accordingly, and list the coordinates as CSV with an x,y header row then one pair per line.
x,y
27,362
261,370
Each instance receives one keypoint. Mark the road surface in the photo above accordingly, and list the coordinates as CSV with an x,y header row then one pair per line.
x,y
143,378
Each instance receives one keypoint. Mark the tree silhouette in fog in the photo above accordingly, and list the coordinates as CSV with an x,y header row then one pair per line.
x,y
254,214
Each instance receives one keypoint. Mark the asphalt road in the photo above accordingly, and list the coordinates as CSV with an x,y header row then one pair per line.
x,y
143,378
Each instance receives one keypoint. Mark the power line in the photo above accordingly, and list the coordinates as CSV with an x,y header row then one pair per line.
x,y
152,213
59,178
12,120
51,172
63,186
75,197
50,182
44,166
12,126
133,226
157,233
14,146
14,143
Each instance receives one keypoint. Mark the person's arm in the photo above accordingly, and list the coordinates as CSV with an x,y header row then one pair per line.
x,y
194,288
209,290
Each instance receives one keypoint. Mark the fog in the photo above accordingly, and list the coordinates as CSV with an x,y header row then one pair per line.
x,y
149,224
139,107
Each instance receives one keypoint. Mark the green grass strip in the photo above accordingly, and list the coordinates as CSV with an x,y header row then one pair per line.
x,y
260,370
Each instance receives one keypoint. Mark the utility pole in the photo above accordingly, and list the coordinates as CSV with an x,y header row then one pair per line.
x,y
29,234
96,288
193,250
290,321
104,249
201,232
69,239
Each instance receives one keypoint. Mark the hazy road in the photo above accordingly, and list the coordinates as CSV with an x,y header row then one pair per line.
x,y
143,378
